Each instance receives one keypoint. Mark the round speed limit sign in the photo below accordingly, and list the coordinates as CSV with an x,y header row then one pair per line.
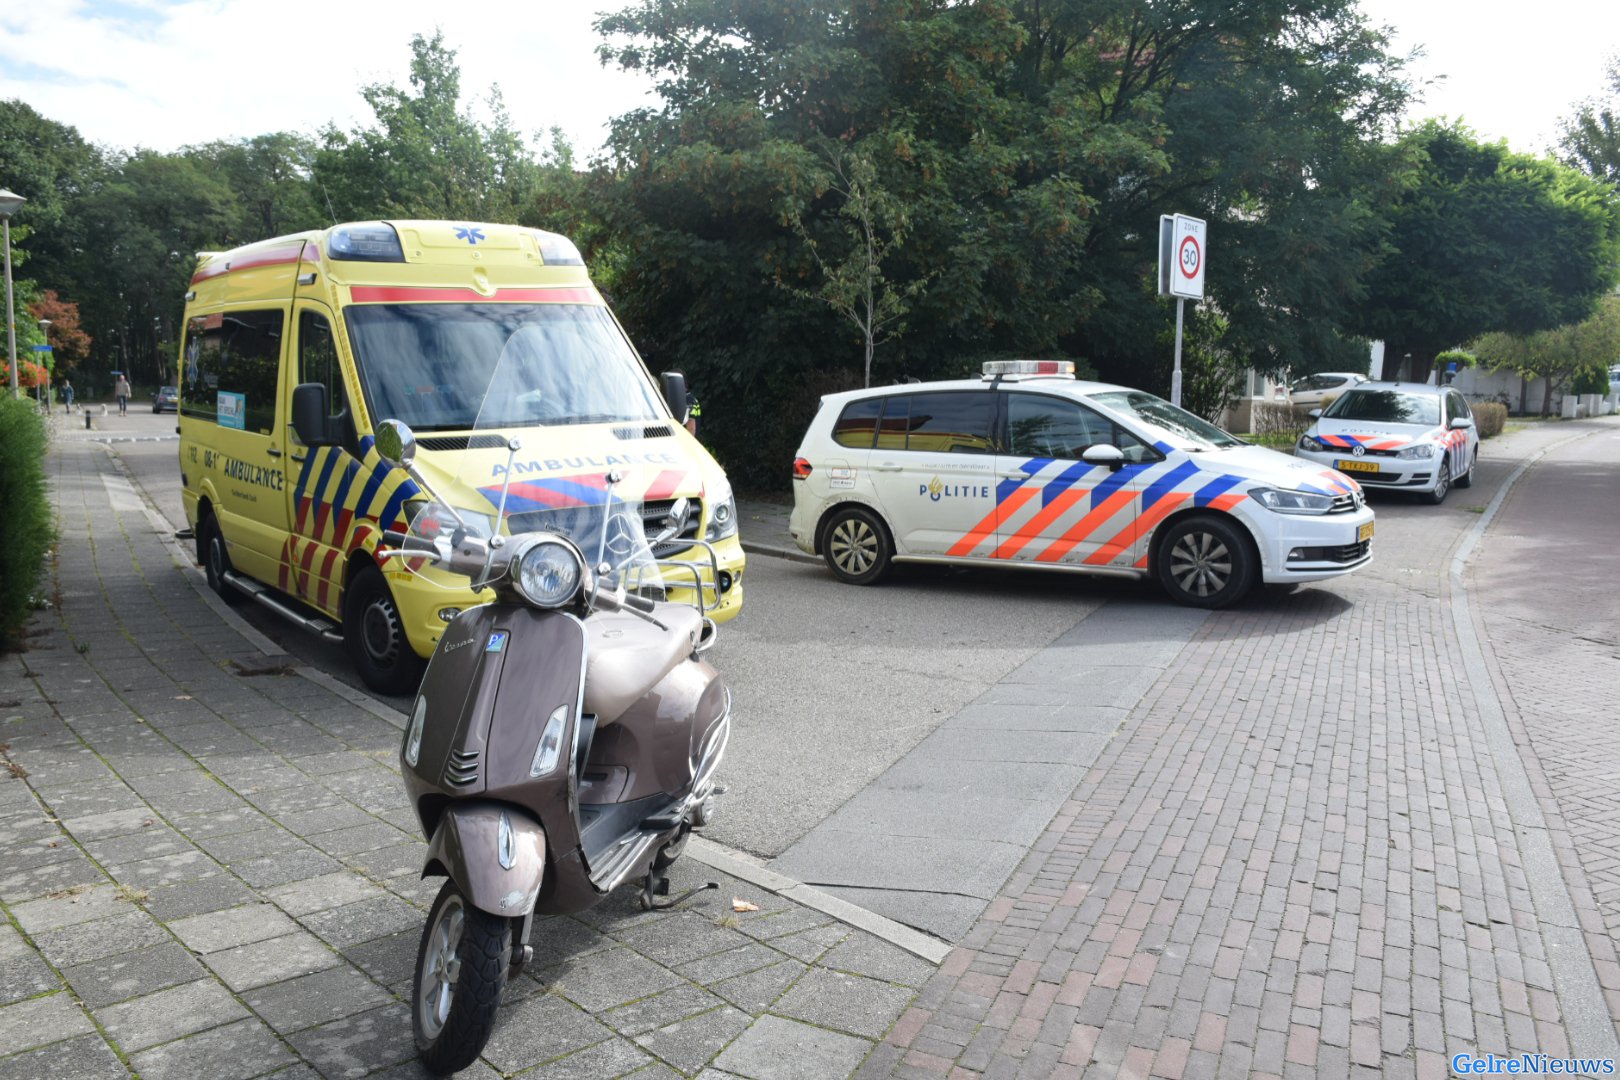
x,y
1190,258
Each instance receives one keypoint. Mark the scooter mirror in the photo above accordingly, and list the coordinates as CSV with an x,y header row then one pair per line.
x,y
396,444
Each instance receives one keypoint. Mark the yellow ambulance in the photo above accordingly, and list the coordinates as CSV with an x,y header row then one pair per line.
x,y
407,320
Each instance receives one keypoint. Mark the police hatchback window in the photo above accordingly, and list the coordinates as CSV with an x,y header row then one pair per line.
x,y
959,422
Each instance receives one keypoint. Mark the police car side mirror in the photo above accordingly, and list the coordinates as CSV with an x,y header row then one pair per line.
x,y
1462,422
675,394
1104,454
309,417
1315,414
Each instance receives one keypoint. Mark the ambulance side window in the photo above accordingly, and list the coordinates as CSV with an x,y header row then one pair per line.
x,y
232,360
318,363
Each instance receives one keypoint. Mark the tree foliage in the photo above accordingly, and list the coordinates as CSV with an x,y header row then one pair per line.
x,y
1482,239
1561,355
70,345
1590,138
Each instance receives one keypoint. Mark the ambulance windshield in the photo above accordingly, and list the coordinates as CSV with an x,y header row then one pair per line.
x,y
434,366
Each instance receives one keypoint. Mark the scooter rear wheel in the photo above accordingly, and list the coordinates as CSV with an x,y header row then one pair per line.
x,y
461,968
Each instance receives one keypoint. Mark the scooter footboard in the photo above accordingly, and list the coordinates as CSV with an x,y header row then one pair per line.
x,y
494,851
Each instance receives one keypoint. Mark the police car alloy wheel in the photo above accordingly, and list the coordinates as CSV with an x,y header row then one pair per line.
x,y
1442,481
1467,478
1205,562
857,547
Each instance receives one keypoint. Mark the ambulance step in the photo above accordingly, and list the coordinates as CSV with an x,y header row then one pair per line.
x,y
271,599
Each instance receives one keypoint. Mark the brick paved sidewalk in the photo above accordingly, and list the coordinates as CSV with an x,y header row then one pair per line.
x,y
1294,859
208,869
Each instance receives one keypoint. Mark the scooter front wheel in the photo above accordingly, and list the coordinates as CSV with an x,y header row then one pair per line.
x,y
461,968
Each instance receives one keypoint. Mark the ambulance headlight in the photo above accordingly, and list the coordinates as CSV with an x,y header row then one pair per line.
x,y
1283,501
1421,450
549,573
722,514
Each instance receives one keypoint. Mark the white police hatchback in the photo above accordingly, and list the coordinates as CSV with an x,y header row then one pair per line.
x,y
1397,435
1029,467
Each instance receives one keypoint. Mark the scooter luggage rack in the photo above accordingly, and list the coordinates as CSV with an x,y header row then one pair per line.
x,y
681,567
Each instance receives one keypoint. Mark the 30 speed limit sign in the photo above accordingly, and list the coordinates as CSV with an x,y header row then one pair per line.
x,y
1186,251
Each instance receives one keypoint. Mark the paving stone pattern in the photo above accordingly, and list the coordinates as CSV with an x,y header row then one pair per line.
x,y
208,868
1294,859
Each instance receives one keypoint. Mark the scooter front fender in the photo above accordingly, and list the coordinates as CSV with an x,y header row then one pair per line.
x,y
466,847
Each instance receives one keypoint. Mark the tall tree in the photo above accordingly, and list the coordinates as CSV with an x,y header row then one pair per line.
x,y
270,175
1559,355
425,156
1590,139
70,345
1483,239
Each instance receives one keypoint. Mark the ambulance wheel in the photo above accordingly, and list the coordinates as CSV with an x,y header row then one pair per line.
x,y
216,560
1467,478
1442,484
374,633
856,546
1206,562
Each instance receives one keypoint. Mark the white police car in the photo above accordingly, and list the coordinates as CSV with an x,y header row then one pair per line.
x,y
1397,435
1029,467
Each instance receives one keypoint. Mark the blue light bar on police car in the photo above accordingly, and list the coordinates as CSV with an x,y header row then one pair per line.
x,y
1008,368
374,241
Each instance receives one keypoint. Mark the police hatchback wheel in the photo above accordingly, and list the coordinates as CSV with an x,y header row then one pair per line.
x,y
1467,478
374,634
1442,483
1205,562
856,546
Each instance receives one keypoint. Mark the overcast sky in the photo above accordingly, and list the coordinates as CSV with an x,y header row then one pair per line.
x,y
164,74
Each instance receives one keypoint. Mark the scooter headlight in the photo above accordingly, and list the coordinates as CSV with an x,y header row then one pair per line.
x,y
550,573
413,735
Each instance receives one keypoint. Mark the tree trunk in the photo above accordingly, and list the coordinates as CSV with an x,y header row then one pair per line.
x,y
1524,395
1546,399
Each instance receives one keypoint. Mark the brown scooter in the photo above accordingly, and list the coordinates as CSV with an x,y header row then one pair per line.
x,y
564,740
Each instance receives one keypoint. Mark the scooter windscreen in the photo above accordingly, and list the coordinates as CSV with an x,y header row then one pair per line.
x,y
486,483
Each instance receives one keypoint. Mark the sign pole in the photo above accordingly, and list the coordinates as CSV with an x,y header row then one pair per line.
x,y
1175,374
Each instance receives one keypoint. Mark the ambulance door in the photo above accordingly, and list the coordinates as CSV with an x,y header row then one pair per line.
x,y
231,378
1058,508
933,466
325,482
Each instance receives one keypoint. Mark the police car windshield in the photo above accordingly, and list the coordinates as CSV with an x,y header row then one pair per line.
x,y
1386,407
1166,419
447,367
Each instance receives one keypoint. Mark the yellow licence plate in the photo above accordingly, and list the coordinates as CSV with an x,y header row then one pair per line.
x,y
1344,465
1364,533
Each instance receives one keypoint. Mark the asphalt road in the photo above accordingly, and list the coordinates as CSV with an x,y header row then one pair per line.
x,y
833,684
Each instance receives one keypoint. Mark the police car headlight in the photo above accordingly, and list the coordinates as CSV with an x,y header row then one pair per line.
x,y
1284,501
1306,442
722,515
549,573
1421,450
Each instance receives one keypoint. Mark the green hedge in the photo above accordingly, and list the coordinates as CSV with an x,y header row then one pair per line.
x,y
1491,416
30,530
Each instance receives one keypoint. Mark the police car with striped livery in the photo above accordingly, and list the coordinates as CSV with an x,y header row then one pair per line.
x,y
1030,467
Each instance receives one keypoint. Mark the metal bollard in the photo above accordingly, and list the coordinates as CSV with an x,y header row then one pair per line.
x,y
87,426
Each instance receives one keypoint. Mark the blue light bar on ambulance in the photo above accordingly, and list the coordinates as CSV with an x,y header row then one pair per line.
x,y
1002,369
557,250
375,241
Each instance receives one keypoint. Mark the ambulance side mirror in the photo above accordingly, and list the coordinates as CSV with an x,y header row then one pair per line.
x,y
310,419
675,394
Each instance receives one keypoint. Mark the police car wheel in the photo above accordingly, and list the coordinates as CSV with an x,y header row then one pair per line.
x,y
1467,478
1442,483
216,561
375,635
856,546
1206,562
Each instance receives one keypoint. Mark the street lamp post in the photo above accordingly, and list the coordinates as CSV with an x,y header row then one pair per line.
x,y
45,329
10,203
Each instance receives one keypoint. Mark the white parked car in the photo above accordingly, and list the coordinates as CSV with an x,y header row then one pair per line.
x,y
1029,467
1313,388
1397,435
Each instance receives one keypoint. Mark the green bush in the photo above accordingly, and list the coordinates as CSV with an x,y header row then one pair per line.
x,y
1490,416
30,530
1280,419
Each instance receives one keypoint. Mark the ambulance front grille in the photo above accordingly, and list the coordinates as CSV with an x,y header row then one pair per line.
x,y
635,432
653,515
461,442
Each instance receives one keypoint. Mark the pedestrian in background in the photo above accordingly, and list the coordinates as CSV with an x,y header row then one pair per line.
x,y
67,395
121,392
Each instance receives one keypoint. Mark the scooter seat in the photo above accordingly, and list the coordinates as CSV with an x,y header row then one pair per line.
x,y
627,656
